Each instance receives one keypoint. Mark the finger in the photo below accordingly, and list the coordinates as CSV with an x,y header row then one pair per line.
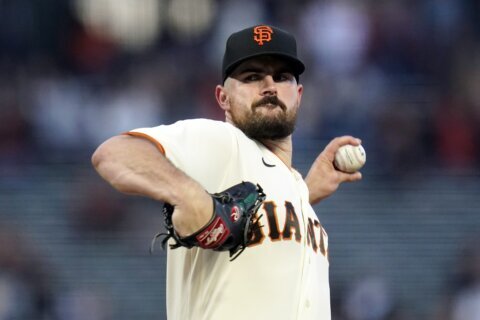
x,y
336,143
350,177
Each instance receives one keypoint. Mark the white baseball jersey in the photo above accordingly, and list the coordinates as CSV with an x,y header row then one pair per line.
x,y
283,274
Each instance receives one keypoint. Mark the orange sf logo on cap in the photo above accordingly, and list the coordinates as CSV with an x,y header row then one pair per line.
x,y
262,34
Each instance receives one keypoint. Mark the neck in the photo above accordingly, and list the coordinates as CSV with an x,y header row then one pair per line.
x,y
282,148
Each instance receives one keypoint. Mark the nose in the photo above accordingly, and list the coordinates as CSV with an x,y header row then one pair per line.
x,y
269,87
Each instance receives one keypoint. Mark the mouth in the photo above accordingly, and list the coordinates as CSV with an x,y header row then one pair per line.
x,y
269,103
270,106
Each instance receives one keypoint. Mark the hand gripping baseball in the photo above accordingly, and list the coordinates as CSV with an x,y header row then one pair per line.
x,y
231,225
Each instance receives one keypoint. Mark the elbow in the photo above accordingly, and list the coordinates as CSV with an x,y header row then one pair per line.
x,y
95,159
117,161
98,157
103,163
106,160
103,158
105,154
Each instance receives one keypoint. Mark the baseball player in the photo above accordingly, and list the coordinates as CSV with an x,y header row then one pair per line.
x,y
243,239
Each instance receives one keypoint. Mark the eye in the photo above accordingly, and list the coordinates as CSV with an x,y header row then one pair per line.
x,y
251,77
284,76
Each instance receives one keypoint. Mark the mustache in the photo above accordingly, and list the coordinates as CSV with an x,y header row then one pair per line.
x,y
269,100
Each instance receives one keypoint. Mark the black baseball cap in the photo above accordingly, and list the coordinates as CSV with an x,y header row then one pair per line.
x,y
257,41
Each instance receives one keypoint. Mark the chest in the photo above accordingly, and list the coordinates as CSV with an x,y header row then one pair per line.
x,y
286,216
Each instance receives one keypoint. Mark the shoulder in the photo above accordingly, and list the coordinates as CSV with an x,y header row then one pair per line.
x,y
200,122
182,128
206,127
205,124
193,134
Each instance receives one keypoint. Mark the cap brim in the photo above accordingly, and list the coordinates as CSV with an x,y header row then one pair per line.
x,y
297,66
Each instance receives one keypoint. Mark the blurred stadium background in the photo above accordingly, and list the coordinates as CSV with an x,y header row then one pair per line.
x,y
403,75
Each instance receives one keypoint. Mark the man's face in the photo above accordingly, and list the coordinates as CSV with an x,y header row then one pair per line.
x,y
262,98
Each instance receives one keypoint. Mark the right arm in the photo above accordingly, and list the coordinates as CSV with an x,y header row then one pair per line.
x,y
134,165
322,178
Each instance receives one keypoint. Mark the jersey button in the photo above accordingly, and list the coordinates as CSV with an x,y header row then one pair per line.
x,y
307,303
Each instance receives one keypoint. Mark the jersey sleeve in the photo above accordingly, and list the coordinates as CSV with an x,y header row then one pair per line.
x,y
202,148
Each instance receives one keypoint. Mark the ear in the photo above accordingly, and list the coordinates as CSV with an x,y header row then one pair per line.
x,y
299,94
222,97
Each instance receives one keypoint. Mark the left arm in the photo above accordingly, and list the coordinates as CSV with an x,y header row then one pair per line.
x,y
323,179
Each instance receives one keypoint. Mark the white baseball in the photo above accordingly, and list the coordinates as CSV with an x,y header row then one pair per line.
x,y
350,158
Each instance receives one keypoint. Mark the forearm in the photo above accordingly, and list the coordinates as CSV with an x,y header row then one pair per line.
x,y
318,190
135,166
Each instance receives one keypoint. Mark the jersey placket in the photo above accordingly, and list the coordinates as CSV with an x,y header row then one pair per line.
x,y
304,301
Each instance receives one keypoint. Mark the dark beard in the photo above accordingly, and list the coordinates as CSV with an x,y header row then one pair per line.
x,y
260,127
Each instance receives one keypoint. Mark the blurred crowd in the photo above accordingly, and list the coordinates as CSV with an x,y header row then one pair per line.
x,y
403,75
462,297
29,288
